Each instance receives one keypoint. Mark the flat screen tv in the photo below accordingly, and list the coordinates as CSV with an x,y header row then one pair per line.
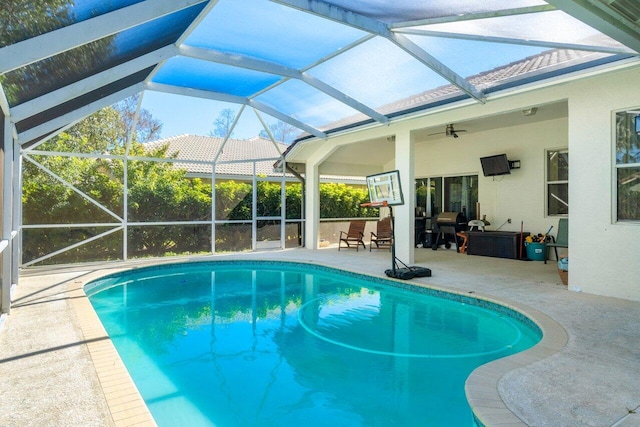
x,y
495,165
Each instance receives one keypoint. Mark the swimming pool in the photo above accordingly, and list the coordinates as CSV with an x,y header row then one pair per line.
x,y
259,343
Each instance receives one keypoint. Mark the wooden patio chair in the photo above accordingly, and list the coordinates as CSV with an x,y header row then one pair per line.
x,y
383,237
354,236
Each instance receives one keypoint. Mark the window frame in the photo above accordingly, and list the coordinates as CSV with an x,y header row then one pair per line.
x,y
440,204
548,182
618,166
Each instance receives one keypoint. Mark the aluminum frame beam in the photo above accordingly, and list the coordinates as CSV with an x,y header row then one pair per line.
x,y
52,43
4,103
379,28
603,18
73,246
96,81
217,96
473,16
73,187
191,28
255,64
287,119
515,41
78,114
437,66
196,93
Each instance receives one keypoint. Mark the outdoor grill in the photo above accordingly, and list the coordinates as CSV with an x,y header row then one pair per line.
x,y
448,224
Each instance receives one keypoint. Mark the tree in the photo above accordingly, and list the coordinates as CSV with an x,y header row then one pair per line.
x,y
147,128
224,122
157,192
23,19
281,131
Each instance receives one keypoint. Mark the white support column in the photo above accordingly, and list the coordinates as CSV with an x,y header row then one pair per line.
x,y
283,210
7,214
125,179
213,208
312,205
404,214
254,208
125,204
17,211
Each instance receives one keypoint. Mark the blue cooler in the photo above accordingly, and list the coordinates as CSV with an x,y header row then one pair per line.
x,y
535,251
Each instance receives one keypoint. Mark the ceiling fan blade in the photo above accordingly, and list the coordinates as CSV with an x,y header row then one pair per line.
x,y
450,130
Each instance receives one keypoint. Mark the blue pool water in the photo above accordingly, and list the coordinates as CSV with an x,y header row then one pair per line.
x,y
285,344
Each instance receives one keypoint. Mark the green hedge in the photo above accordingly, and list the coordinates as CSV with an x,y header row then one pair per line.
x,y
157,192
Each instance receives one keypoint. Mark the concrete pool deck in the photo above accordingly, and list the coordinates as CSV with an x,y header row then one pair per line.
x,y
58,368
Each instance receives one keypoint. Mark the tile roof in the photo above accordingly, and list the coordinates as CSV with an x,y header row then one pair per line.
x,y
537,67
205,149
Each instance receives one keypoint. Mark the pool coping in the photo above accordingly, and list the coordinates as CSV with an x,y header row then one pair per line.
x,y
123,399
481,387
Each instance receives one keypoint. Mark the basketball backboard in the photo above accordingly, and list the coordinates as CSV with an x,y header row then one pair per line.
x,y
385,187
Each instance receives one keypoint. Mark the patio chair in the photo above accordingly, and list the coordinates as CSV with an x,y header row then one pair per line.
x,y
560,241
383,237
354,235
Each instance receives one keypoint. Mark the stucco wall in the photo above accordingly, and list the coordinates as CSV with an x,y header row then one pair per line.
x,y
605,255
520,195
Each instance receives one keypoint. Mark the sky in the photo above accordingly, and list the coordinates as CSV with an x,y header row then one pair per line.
x,y
195,116
375,72
188,115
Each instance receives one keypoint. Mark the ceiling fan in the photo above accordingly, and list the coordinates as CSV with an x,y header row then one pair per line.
x,y
449,130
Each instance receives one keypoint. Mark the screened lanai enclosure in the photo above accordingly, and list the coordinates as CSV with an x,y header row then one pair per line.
x,y
136,200
325,68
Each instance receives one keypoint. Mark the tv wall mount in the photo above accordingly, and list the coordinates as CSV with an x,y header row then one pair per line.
x,y
385,191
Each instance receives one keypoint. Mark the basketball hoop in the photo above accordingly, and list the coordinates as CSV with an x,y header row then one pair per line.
x,y
385,191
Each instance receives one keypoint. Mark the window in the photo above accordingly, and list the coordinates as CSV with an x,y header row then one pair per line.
x,y
447,194
628,166
557,182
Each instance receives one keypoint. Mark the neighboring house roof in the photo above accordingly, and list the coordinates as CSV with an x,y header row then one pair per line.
x,y
241,152
205,149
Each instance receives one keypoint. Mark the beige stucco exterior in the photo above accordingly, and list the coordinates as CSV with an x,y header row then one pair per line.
x,y
574,111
